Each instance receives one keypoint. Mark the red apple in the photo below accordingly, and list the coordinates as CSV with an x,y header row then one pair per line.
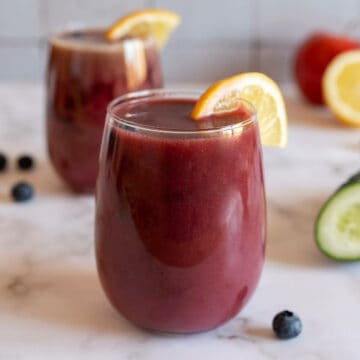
x,y
311,59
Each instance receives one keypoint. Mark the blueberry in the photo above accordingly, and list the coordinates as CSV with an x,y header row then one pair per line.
x,y
3,162
25,162
286,325
22,191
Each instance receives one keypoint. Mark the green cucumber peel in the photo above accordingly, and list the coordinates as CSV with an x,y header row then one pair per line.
x,y
337,226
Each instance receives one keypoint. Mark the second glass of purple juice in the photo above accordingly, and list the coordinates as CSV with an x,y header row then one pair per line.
x,y
180,212
85,72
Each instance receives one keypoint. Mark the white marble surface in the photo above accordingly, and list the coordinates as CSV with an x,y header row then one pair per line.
x,y
51,304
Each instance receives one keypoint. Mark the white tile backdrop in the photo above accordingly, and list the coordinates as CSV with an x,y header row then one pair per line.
x,y
217,38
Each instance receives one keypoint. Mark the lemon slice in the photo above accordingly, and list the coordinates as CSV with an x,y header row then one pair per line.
x,y
258,89
341,87
156,22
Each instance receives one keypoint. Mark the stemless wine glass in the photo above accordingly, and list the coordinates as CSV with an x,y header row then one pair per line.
x,y
85,72
180,212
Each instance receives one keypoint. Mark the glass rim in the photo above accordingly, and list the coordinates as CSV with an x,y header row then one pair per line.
x,y
58,39
121,122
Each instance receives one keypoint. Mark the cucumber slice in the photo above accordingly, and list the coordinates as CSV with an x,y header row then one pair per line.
x,y
337,227
354,178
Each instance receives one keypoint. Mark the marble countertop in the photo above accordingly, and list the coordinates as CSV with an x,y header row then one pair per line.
x,y
51,303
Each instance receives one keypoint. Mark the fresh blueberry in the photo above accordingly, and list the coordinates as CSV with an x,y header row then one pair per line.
x,y
22,191
3,162
286,325
25,162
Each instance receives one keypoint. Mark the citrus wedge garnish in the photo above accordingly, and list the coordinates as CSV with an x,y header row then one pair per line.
x,y
341,87
148,22
264,94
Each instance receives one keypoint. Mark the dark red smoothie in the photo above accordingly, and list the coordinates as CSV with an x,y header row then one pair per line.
x,y
180,216
84,74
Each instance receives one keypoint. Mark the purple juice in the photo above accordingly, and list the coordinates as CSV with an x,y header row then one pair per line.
x,y
180,214
85,72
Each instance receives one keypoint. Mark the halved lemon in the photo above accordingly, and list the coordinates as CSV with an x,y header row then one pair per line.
x,y
225,96
156,22
341,87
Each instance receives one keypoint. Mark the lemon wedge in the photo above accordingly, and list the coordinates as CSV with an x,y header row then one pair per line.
x,y
155,22
226,95
341,87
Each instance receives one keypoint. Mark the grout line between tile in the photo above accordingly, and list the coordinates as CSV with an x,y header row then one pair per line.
x,y
255,44
7,41
43,13
150,3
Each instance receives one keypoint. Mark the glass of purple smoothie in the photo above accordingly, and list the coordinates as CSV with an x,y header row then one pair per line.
x,y
84,73
180,211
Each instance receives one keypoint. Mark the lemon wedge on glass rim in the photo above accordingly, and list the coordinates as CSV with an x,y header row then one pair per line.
x,y
341,87
261,91
156,22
